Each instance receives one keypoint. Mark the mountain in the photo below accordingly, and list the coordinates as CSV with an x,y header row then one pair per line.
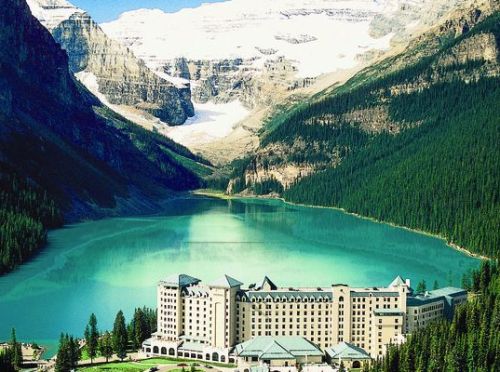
x,y
109,69
63,155
411,140
262,53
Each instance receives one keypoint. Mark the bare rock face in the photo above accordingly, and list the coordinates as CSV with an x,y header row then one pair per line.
x,y
121,77
222,81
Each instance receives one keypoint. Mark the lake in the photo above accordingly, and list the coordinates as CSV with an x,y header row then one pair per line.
x,y
111,264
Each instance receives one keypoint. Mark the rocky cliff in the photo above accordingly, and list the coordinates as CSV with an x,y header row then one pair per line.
x,y
57,135
121,77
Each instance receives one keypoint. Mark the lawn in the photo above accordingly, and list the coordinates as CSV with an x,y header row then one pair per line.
x,y
142,365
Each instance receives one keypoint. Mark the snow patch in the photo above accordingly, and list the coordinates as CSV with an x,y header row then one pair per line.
x,y
90,81
211,122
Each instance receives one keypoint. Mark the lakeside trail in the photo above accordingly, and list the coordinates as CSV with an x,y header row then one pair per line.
x,y
221,195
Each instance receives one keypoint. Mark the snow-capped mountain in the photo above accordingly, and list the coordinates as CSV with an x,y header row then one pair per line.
x,y
318,35
242,56
259,52
51,13
109,69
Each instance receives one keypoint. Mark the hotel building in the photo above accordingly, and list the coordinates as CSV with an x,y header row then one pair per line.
x,y
209,321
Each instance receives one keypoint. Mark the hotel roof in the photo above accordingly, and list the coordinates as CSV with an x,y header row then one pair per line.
x,y
435,295
374,293
346,350
288,295
268,283
226,282
180,280
280,347
397,282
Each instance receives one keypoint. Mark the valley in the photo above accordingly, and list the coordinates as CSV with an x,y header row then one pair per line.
x,y
347,141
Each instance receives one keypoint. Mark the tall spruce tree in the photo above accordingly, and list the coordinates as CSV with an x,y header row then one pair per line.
x,y
120,336
17,350
141,328
92,337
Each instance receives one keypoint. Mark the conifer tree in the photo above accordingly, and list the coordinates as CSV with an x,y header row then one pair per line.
x,y
92,337
120,336
106,346
17,351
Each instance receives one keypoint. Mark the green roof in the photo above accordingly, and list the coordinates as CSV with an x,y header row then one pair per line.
x,y
345,350
280,347
192,346
180,280
226,282
442,294
275,351
388,312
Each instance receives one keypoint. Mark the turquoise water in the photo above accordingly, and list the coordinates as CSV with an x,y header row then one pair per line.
x,y
111,264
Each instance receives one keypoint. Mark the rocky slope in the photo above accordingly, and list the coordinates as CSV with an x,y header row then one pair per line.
x,y
119,76
58,136
337,123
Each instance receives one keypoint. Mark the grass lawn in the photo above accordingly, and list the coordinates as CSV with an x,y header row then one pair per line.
x,y
142,365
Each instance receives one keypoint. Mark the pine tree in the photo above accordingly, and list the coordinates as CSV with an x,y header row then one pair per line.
x,y
17,351
421,287
92,337
106,346
436,285
140,328
63,360
119,338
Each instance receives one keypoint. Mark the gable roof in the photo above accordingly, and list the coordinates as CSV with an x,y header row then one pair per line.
x,y
275,351
397,282
345,350
180,280
279,347
269,284
226,282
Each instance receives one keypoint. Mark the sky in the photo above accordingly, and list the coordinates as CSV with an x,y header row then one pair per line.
x,y
108,10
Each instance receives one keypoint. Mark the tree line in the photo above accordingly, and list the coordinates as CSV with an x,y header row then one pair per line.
x,y
26,212
123,338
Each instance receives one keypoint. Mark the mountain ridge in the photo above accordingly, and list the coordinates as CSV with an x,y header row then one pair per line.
x,y
66,148
121,77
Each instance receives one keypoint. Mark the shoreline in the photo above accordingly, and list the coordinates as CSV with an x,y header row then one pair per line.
x,y
221,195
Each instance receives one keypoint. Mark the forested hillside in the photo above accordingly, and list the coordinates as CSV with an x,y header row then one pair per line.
x,y
412,140
25,214
440,177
